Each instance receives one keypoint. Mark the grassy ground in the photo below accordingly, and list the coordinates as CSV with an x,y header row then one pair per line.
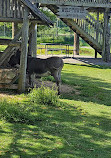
x,y
86,51
2,47
78,127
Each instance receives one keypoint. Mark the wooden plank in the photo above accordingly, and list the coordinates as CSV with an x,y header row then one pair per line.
x,y
24,50
14,29
33,40
76,44
6,86
87,3
19,12
8,76
11,8
4,8
106,37
71,12
5,41
37,12
15,9
6,19
8,8
15,44
1,8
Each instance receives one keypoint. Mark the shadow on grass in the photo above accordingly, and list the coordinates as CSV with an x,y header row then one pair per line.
x,y
91,62
91,89
64,132
90,65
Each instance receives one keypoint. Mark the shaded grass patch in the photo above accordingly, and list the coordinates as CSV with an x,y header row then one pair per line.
x,y
79,127
16,112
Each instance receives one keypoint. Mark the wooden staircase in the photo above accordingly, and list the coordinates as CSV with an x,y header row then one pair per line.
x,y
88,29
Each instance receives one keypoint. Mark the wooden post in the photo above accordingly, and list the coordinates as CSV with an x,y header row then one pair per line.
x,y
95,53
97,33
76,44
24,50
33,40
14,29
106,37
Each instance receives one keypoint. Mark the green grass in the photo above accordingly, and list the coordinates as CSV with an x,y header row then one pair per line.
x,y
3,47
87,51
79,127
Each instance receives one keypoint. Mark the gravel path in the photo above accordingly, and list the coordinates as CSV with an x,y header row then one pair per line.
x,y
77,59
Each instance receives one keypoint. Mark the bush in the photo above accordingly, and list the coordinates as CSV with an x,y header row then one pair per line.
x,y
44,95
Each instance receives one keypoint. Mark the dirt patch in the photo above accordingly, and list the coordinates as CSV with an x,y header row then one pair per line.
x,y
64,88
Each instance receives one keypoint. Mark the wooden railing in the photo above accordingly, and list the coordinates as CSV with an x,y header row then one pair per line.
x,y
91,27
94,3
10,9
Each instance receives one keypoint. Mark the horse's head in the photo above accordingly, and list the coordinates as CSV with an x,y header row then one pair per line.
x,y
15,59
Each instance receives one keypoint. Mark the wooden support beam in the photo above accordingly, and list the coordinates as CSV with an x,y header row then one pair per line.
x,y
76,44
24,50
33,40
8,86
97,32
5,41
9,42
16,44
14,29
106,37
95,53
9,19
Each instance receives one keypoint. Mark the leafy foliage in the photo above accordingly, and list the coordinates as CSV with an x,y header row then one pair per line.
x,y
44,95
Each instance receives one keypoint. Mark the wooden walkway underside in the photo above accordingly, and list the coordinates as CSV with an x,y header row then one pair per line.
x,y
88,3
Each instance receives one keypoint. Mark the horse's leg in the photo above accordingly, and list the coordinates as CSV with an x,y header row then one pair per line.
x,y
57,79
30,80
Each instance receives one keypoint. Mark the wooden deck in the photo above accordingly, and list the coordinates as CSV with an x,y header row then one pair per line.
x,y
87,3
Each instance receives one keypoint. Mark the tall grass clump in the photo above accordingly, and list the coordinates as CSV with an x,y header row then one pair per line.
x,y
15,112
44,95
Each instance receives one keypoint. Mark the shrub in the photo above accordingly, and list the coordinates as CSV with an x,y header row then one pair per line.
x,y
44,95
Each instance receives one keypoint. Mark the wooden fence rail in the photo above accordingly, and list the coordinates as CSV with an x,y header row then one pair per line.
x,y
91,27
